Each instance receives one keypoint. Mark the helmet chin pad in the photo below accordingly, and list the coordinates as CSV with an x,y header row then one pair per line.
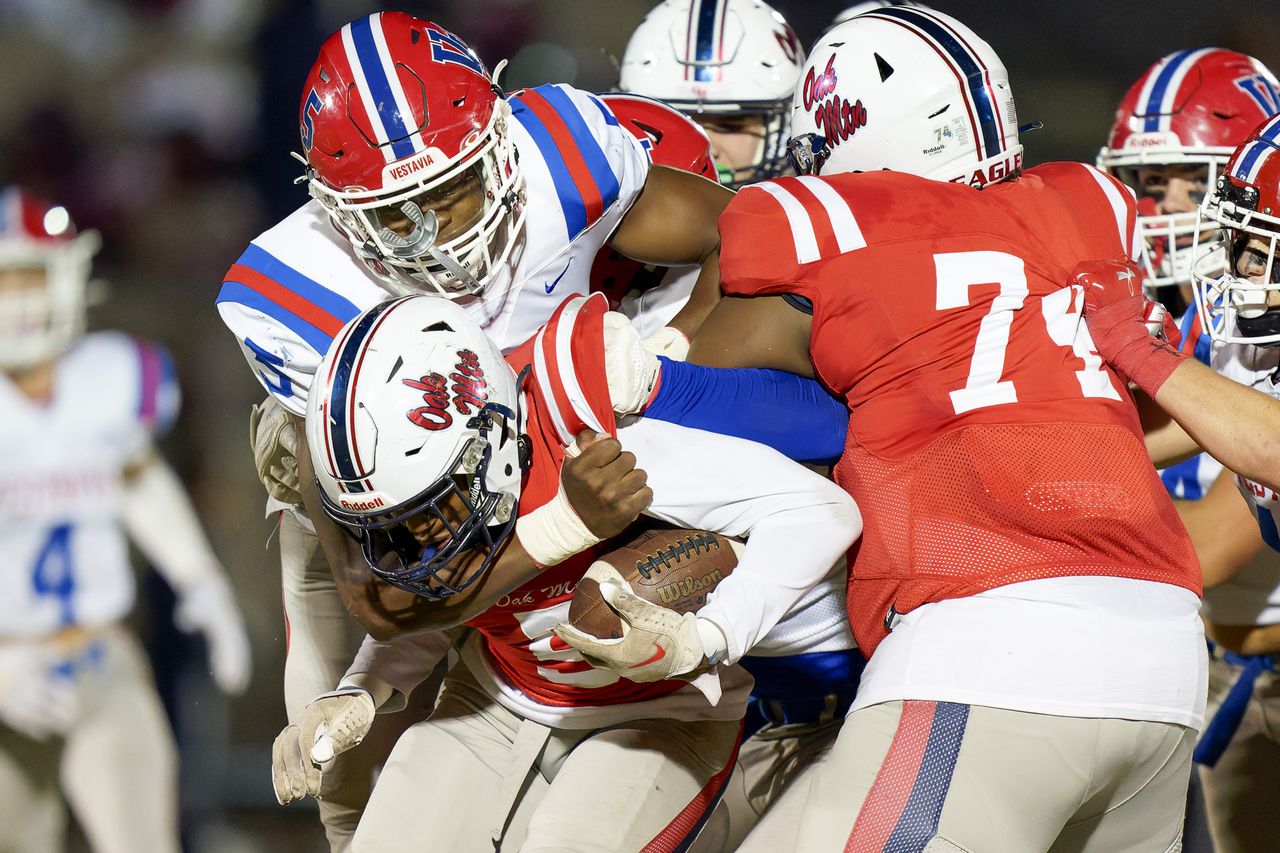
x,y
1264,325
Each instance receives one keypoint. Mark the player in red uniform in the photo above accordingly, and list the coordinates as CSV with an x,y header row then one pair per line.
x,y
1026,589
432,452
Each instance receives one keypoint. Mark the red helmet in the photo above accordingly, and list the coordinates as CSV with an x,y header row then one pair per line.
x,y
41,315
405,141
1192,107
671,139
1233,292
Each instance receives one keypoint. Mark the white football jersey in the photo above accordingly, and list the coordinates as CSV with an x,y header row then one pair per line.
x,y
63,552
1252,597
299,282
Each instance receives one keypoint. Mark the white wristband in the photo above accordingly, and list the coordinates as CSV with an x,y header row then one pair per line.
x,y
553,532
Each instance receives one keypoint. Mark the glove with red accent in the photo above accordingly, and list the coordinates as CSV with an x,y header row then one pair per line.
x,y
1134,334
656,643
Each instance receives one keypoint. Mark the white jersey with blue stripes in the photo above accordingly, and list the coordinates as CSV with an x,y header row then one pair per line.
x,y
299,282
63,553
1252,597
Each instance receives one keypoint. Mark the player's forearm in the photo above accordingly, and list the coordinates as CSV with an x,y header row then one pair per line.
x,y
797,523
391,670
162,522
703,298
1238,425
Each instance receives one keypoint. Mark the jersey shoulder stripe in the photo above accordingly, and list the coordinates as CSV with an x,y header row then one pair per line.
x,y
1124,209
261,281
158,390
821,220
1195,341
584,180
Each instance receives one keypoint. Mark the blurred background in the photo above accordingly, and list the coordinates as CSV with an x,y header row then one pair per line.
x,y
167,125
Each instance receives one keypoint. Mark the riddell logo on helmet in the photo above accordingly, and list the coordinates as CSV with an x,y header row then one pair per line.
x,y
465,387
348,503
996,172
836,118
1162,139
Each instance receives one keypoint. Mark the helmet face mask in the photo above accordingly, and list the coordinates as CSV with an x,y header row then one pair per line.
x,y
1235,276
433,135
444,539
414,433
44,276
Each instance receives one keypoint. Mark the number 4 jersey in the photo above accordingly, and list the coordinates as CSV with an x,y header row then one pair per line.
x,y
988,444
63,554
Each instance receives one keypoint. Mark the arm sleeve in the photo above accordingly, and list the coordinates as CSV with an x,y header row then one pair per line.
x,y
793,415
740,488
281,360
400,664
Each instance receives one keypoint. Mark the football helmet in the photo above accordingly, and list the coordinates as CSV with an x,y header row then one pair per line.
x,y
870,6
910,90
1191,109
668,136
719,60
1235,275
405,141
40,314
415,439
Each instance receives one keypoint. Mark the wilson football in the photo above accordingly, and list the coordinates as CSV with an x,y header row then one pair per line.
x,y
670,567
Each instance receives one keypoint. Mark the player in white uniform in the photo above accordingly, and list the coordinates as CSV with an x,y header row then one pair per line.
x,y
498,202
1172,135
1236,292
78,713
733,66
585,793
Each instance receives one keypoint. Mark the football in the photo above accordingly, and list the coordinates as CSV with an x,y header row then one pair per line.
x,y
670,567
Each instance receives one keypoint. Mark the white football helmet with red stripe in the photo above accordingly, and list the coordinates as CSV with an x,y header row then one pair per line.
x,y
415,438
1190,109
910,90
44,275
720,59
1236,273
405,140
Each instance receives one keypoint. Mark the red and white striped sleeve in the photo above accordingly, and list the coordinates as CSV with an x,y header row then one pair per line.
x,y
568,369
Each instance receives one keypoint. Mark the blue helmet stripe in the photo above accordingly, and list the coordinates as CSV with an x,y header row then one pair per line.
x,y
380,87
339,428
1152,109
1267,138
705,36
973,73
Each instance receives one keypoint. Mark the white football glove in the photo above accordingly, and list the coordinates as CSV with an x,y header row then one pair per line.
x,y
330,725
670,342
273,436
35,701
210,608
656,643
631,370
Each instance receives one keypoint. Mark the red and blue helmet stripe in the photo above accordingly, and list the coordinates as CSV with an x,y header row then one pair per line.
x,y
1257,151
339,410
970,70
706,39
580,170
1157,100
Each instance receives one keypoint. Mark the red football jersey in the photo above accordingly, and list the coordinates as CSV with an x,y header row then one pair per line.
x,y
988,443
565,392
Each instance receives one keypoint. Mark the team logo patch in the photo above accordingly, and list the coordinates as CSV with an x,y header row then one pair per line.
x,y
464,390
1260,89
446,47
836,118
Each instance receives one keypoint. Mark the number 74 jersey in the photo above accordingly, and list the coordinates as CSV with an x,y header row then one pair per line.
x,y
988,443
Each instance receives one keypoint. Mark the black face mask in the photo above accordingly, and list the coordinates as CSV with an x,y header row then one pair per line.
x,y
1266,324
